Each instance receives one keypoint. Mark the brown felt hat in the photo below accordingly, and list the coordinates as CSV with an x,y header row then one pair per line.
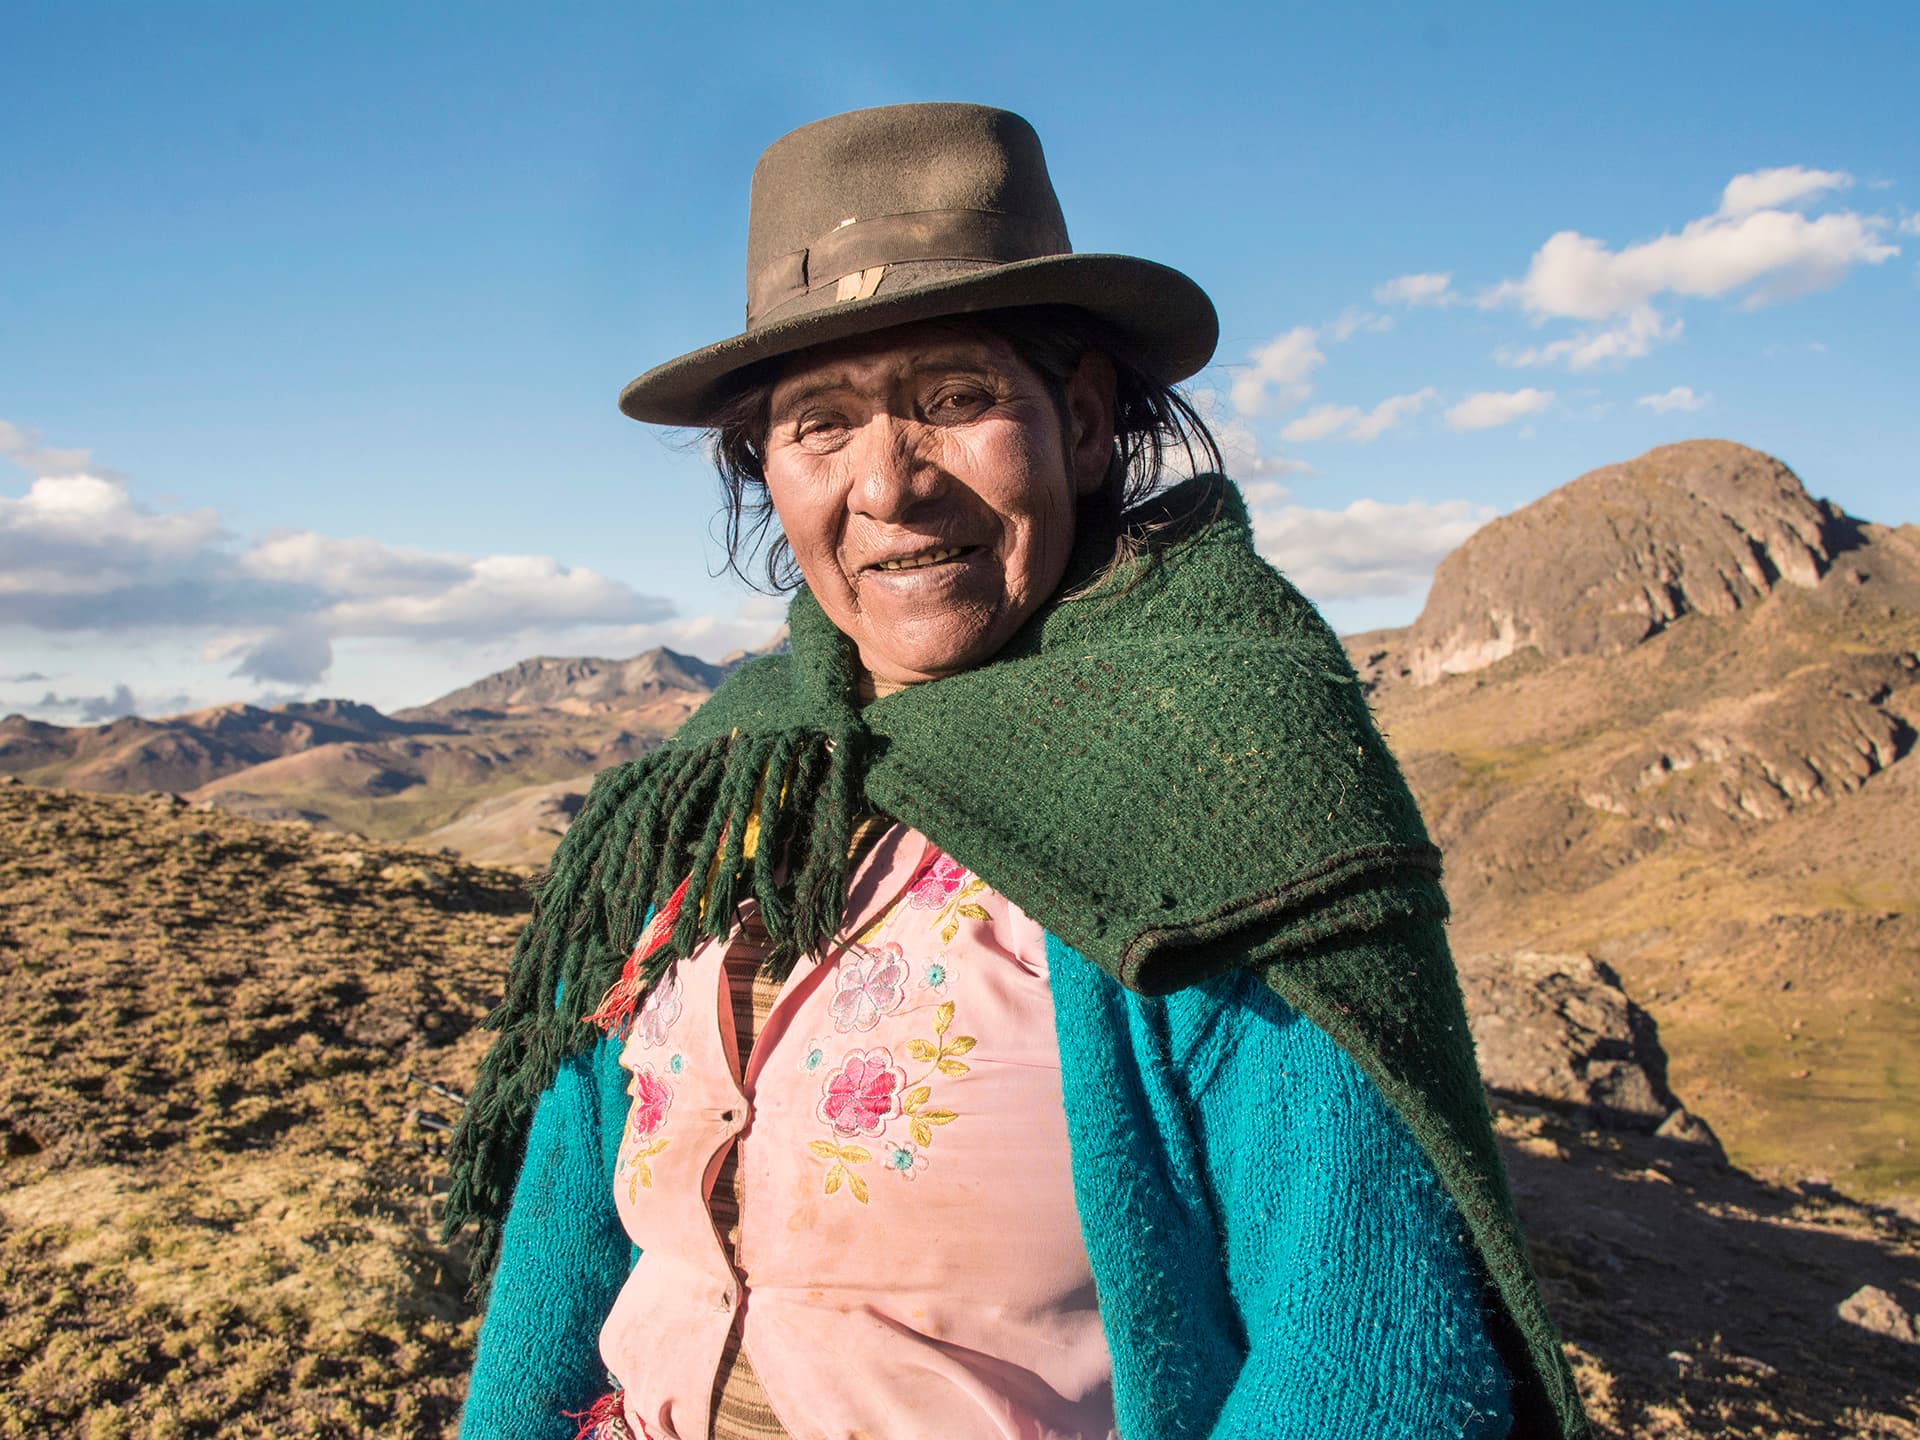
x,y
909,212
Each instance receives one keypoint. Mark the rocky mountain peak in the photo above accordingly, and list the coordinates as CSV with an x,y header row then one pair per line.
x,y
547,681
1620,553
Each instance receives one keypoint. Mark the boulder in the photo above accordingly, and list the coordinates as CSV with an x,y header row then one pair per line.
x,y
1872,1308
1559,1028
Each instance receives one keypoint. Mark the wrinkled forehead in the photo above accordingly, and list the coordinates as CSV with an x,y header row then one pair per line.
x,y
884,358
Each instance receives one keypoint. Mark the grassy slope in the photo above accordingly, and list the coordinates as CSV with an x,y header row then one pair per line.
x,y
1781,956
216,1210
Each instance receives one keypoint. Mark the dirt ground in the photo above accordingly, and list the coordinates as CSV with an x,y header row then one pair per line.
x,y
216,1211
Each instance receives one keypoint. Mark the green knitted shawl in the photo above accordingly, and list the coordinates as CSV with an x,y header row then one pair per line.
x,y
1173,769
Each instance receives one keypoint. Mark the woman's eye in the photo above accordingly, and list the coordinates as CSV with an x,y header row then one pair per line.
x,y
818,428
955,404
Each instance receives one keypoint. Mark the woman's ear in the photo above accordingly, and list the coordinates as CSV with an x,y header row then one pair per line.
x,y
1090,406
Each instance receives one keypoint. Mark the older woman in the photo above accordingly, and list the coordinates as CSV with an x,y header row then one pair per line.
x,y
1023,1009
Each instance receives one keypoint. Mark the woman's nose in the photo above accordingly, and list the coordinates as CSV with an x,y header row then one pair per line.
x,y
891,474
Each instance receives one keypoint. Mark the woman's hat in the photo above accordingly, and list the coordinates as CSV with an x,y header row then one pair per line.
x,y
909,212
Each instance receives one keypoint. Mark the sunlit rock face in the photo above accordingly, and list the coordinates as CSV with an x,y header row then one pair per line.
x,y
1609,559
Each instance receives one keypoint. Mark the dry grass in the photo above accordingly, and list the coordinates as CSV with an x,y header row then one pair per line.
x,y
214,1211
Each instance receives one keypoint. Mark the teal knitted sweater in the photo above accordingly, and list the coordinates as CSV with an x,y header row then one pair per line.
x,y
1273,1253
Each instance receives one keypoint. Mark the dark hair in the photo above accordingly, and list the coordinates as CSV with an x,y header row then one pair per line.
x,y
1151,421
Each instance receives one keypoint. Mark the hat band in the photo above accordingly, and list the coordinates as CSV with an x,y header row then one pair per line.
x,y
858,245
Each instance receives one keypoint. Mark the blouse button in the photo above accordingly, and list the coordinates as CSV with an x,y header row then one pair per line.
x,y
729,1116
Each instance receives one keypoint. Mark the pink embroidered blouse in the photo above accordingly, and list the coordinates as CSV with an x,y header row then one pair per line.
x,y
910,1260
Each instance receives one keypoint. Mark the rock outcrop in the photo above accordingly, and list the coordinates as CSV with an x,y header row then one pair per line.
x,y
1603,562
1559,1028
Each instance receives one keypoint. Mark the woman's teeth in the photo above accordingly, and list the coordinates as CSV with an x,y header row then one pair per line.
x,y
916,562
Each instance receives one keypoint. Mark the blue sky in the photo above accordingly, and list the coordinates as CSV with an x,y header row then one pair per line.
x,y
312,318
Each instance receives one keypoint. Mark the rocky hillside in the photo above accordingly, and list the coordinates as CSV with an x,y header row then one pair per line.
x,y
581,685
216,1206
1666,717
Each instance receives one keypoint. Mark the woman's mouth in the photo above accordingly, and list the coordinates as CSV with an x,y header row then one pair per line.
x,y
922,559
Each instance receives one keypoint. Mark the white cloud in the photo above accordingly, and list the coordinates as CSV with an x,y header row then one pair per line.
x,y
24,449
1279,371
1353,321
1778,253
1496,407
1371,548
1909,225
1350,422
1321,422
98,709
357,567
1784,185
1680,397
78,553
82,535
1426,289
1631,338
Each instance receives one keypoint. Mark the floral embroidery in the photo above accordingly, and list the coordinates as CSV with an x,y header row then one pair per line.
x,y
863,1094
869,987
652,1099
814,1056
677,1064
869,1091
660,1009
935,979
842,1156
937,883
948,887
905,1161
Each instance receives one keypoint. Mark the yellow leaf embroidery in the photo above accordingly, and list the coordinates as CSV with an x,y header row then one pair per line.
x,y
949,930
858,1186
942,1018
854,1155
834,1176
938,1117
959,1045
643,1172
825,1149
916,1097
922,1050
954,1067
973,912
921,1131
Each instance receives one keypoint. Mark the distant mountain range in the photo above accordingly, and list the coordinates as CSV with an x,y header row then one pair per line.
x,y
499,764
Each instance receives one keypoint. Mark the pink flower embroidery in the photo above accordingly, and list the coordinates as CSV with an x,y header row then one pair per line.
x,y
661,1009
652,1098
863,1094
872,983
938,883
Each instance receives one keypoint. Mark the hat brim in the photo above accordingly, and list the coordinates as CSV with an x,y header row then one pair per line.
x,y
1167,319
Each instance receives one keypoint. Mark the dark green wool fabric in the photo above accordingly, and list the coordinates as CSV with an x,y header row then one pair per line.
x,y
1173,770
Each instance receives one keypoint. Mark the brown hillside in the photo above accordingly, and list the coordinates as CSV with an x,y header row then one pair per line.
x,y
347,767
1716,794
215,1212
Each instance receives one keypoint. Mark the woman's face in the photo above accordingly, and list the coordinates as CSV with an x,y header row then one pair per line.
x,y
927,484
